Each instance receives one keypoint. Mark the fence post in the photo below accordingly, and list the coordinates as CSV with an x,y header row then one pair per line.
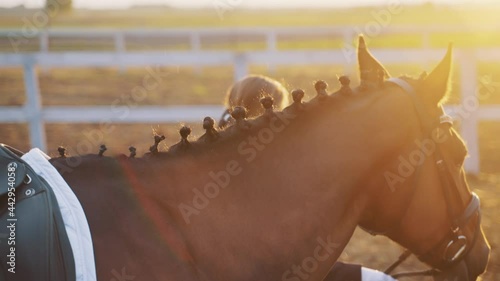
x,y
426,45
120,48
44,41
350,65
271,41
240,66
44,45
469,103
33,107
195,42
426,40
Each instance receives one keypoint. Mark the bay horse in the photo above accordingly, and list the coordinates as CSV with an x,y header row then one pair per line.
x,y
279,196
247,93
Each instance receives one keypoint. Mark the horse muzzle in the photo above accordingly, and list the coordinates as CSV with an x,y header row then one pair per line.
x,y
478,256
472,265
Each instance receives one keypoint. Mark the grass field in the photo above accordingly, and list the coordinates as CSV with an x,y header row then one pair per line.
x,y
428,15
104,86
356,20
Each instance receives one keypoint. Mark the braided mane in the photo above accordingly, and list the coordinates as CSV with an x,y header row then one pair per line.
x,y
213,138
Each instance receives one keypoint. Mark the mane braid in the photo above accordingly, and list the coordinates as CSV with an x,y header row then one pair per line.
x,y
232,134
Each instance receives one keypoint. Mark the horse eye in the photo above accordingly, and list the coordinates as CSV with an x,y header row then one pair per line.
x,y
453,145
459,150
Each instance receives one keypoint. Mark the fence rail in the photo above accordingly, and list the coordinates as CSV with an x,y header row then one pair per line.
x,y
36,115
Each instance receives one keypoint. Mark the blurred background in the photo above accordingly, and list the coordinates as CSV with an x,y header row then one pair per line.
x,y
81,73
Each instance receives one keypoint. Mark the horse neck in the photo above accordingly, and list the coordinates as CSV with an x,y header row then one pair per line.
x,y
268,214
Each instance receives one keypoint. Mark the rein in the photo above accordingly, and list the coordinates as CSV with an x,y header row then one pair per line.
x,y
450,255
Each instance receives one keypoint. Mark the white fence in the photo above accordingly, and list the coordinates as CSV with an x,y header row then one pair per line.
x,y
33,113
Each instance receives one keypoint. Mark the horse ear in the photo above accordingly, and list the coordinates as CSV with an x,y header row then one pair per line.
x,y
370,69
436,84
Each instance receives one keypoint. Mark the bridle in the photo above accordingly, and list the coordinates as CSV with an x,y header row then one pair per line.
x,y
456,245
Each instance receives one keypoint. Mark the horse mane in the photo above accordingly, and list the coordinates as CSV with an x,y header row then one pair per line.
x,y
214,139
247,127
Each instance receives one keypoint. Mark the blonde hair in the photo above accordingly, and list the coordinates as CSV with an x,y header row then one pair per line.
x,y
248,91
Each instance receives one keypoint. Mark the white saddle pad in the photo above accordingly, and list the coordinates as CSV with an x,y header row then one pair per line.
x,y
72,213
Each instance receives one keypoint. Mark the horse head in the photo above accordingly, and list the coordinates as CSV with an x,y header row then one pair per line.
x,y
421,196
